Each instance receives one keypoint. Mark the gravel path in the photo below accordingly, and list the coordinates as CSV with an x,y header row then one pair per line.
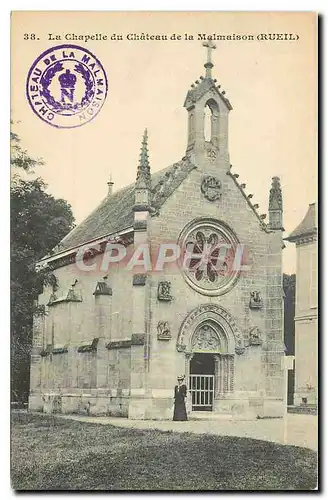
x,y
298,430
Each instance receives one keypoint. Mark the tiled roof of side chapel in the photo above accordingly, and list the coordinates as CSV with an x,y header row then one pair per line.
x,y
115,213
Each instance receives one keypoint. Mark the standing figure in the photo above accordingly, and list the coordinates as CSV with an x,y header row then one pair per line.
x,y
180,394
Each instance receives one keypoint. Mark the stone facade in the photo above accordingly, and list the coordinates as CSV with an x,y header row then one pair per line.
x,y
306,310
114,345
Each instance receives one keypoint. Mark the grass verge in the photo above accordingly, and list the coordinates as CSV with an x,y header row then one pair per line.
x,y
50,453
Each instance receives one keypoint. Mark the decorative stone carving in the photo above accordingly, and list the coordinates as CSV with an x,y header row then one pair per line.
x,y
164,291
256,301
275,199
211,154
88,345
138,339
163,331
211,188
216,314
205,339
139,279
197,92
209,247
72,295
102,288
169,183
239,350
255,336
119,344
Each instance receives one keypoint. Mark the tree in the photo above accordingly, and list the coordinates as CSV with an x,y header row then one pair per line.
x,y
289,282
38,223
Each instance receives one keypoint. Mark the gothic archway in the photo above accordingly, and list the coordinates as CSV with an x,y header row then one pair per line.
x,y
214,327
208,337
211,114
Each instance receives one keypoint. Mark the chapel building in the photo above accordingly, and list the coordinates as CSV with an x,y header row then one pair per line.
x,y
113,339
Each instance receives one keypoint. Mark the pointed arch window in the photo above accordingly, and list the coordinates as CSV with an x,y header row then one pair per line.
x,y
207,123
211,122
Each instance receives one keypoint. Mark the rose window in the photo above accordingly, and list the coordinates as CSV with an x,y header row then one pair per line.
x,y
208,256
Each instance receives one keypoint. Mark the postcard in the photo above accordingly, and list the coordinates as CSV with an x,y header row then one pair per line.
x,y
164,318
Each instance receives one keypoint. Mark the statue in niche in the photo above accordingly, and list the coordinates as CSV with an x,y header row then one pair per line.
x,y
164,290
163,331
255,336
256,301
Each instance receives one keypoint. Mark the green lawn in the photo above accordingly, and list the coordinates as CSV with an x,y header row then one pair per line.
x,y
50,453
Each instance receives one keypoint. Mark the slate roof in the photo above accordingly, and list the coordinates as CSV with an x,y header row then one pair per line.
x,y
306,227
115,212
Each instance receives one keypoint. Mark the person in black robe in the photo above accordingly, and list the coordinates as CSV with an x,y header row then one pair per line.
x,y
180,394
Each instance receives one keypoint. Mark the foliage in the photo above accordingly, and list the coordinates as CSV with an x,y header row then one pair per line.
x,y
19,158
38,222
289,283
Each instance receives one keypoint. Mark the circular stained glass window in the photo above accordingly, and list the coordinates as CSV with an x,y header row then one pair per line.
x,y
208,256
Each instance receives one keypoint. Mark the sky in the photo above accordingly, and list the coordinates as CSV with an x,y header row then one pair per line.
x,y
272,86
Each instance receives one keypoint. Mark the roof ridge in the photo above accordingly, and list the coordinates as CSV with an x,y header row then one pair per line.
x,y
247,198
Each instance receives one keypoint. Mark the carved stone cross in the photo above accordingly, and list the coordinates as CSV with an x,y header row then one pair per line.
x,y
210,46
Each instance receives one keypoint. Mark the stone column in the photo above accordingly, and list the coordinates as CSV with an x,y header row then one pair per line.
x,y
226,374
188,358
140,401
273,347
218,377
231,372
35,396
139,349
103,321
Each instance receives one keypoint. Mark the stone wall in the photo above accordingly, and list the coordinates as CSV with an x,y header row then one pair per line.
x,y
258,371
306,325
69,324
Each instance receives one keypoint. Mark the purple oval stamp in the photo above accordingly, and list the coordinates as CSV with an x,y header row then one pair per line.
x,y
66,86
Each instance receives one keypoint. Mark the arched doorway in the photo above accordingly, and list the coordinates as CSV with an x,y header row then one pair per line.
x,y
201,381
209,339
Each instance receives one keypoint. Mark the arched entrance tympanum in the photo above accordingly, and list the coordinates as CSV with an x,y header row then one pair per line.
x,y
209,339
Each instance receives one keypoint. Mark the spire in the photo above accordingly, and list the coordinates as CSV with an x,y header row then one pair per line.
x,y
275,200
275,205
143,172
209,65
